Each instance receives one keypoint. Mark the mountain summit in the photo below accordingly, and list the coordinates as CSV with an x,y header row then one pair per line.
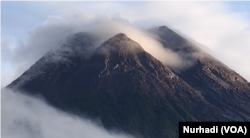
x,y
128,89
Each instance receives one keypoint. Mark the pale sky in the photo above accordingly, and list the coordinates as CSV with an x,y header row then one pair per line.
x,y
222,27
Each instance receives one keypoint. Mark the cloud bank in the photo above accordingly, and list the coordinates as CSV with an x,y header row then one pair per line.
x,y
28,117
55,31
222,32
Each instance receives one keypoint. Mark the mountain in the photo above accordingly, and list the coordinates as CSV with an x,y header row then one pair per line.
x,y
128,89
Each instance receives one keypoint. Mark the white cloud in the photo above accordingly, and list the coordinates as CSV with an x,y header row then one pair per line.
x,y
28,117
224,33
6,56
56,29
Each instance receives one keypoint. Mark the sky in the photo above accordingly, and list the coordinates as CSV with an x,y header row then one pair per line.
x,y
222,28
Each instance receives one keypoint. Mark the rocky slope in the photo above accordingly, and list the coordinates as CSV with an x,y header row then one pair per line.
x,y
218,84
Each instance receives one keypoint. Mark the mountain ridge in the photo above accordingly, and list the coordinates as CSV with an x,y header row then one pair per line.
x,y
129,89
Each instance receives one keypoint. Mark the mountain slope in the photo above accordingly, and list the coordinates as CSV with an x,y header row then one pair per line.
x,y
123,86
218,84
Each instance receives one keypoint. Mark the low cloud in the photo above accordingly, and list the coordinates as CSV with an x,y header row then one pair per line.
x,y
28,117
109,28
55,31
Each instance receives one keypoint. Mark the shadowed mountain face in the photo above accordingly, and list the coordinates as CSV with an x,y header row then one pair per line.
x,y
51,72
219,85
128,89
